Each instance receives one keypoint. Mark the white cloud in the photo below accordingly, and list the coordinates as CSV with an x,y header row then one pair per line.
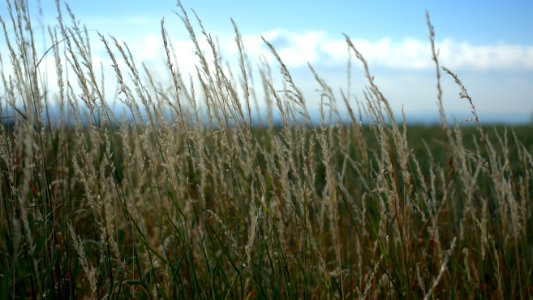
x,y
412,57
320,48
297,49
487,57
317,47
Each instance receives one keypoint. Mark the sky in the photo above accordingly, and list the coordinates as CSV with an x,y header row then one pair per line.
x,y
489,44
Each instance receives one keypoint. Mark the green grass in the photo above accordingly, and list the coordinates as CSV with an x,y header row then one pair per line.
x,y
218,208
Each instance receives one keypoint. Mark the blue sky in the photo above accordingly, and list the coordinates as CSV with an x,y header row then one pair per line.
x,y
474,21
489,44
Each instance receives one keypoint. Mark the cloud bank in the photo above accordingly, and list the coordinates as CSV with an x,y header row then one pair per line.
x,y
405,54
494,73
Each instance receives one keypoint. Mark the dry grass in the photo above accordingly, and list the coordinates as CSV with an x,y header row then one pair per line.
x,y
192,199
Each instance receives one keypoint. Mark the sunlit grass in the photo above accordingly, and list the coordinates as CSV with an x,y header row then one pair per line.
x,y
188,198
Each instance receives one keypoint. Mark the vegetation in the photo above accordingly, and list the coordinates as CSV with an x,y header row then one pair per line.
x,y
191,196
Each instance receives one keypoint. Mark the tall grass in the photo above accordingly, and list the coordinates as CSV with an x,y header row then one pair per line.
x,y
193,196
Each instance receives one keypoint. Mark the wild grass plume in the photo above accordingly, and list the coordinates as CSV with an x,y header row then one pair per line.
x,y
189,193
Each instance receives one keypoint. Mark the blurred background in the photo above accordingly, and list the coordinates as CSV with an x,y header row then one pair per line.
x,y
488,44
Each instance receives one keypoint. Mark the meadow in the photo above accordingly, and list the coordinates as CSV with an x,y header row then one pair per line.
x,y
191,196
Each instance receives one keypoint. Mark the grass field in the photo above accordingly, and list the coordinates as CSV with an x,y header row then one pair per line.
x,y
203,204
